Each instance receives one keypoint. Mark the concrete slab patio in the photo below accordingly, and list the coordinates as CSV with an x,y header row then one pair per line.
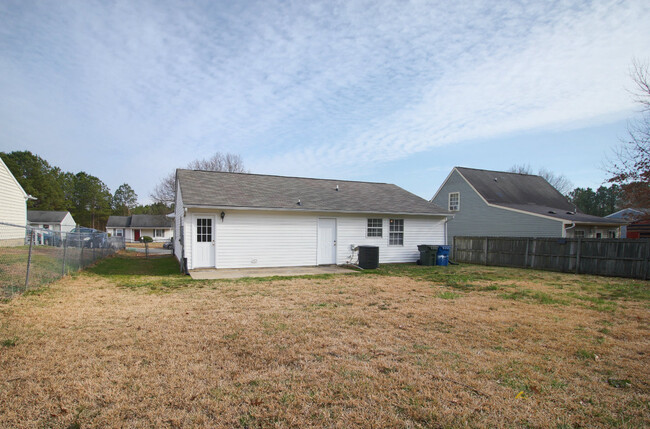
x,y
237,273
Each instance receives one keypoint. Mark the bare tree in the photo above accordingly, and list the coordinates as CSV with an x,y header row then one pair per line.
x,y
630,167
559,182
164,192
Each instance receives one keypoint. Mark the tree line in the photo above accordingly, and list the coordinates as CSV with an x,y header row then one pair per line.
x,y
87,198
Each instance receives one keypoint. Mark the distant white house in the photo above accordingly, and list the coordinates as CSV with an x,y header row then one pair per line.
x,y
158,227
237,220
57,221
13,209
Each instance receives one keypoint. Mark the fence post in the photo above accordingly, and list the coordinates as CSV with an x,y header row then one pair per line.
x,y
29,257
578,255
527,248
146,250
485,250
81,253
647,259
65,251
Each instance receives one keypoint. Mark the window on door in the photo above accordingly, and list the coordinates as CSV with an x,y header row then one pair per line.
x,y
396,232
203,230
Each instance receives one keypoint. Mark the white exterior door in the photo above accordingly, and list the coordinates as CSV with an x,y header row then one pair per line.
x,y
326,241
204,242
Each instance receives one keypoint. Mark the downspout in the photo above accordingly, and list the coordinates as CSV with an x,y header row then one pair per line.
x,y
573,225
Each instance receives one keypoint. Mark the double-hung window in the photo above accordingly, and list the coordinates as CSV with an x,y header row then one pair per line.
x,y
374,228
158,232
396,232
454,201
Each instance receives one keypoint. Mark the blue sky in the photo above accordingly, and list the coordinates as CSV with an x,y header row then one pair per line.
x,y
384,91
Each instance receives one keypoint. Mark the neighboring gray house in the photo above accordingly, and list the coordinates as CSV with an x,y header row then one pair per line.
x,y
158,227
496,203
236,220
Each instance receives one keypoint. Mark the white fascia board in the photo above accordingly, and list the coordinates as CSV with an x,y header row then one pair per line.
x,y
444,183
312,211
25,195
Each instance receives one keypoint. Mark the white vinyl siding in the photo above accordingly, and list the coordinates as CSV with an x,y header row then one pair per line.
x,y
13,208
247,239
179,221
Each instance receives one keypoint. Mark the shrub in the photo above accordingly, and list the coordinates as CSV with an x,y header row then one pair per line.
x,y
146,239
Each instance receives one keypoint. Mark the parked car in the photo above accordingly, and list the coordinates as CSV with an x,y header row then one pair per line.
x,y
169,244
85,237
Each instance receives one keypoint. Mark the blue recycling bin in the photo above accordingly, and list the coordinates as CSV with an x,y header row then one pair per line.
x,y
442,256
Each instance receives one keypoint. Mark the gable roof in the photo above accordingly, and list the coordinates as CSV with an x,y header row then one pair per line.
x,y
139,221
257,191
528,193
42,216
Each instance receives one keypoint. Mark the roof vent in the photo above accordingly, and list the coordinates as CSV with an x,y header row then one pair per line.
x,y
495,179
570,213
299,203
337,187
552,212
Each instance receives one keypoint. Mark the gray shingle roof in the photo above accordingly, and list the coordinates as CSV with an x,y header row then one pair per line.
x,y
139,221
526,192
118,222
40,216
220,189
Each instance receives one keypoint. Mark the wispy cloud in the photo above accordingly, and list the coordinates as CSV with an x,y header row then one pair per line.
x,y
301,88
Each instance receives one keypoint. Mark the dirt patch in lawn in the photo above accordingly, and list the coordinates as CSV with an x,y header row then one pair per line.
x,y
344,351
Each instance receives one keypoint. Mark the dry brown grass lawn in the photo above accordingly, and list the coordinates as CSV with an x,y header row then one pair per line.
x,y
480,347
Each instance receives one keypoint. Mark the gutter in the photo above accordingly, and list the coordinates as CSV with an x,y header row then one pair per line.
x,y
303,210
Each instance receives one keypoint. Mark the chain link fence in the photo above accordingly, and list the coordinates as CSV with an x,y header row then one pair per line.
x,y
31,257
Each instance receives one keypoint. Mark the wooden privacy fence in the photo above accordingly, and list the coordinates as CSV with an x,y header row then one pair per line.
x,y
603,257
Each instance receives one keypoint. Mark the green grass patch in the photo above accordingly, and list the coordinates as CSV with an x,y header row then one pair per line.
x,y
9,342
534,296
448,295
585,354
122,265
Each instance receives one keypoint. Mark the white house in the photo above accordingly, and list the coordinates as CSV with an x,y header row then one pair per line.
x,y
158,227
501,204
13,209
236,220
57,221
60,221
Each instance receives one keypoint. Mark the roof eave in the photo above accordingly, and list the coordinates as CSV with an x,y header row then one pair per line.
x,y
283,209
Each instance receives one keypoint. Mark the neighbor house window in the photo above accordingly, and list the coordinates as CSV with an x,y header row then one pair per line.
x,y
612,234
374,227
119,232
158,232
454,201
580,234
396,232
